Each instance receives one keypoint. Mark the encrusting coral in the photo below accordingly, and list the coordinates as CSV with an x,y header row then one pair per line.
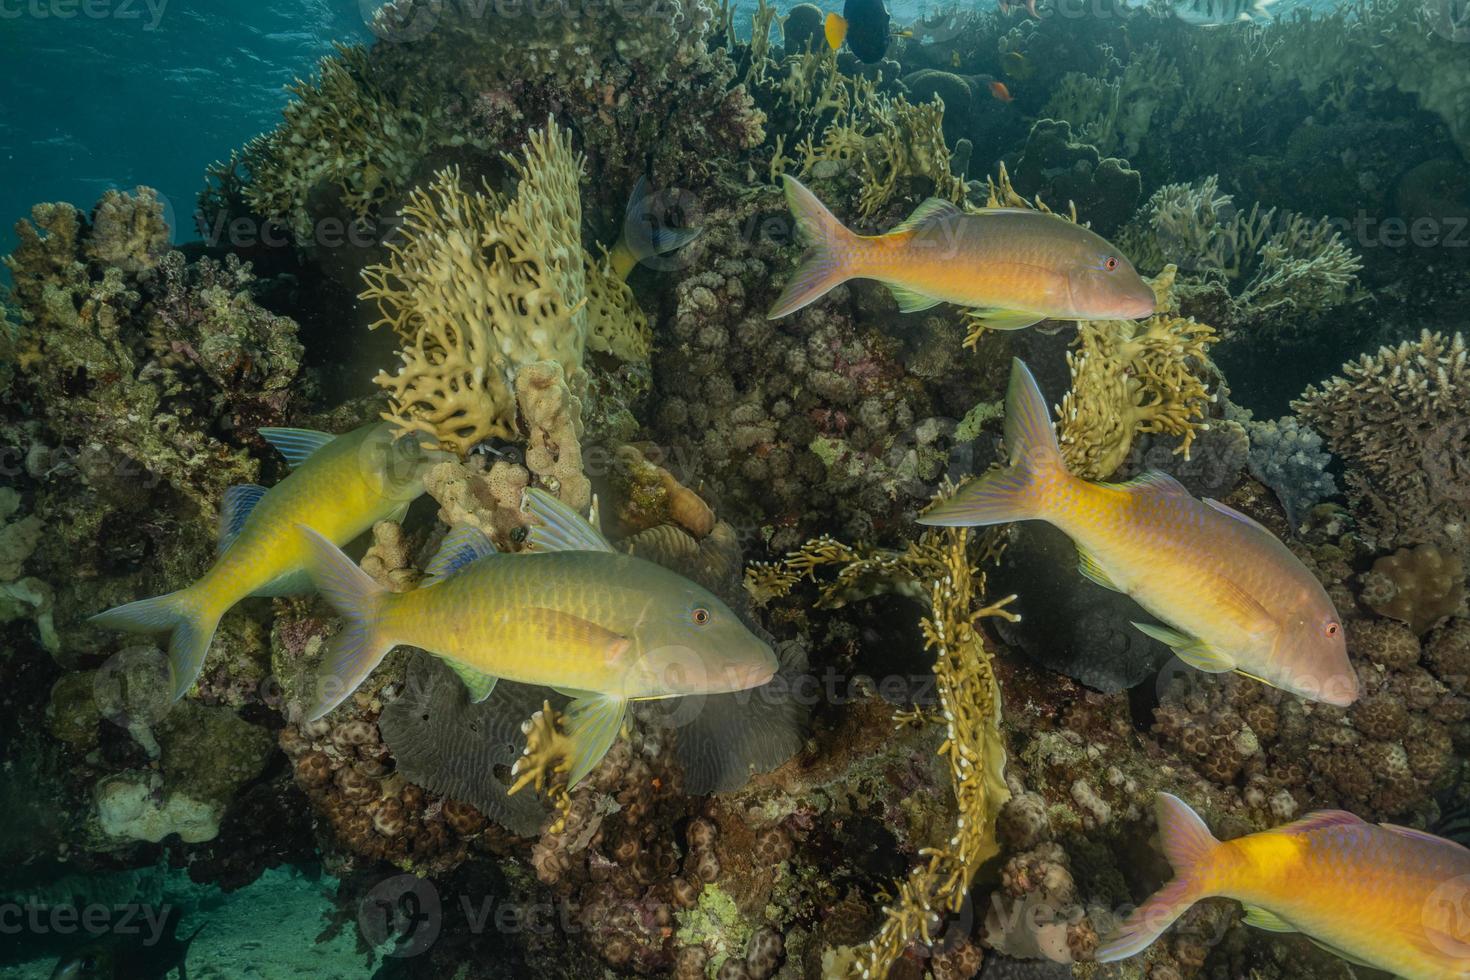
x,y
1420,586
1397,419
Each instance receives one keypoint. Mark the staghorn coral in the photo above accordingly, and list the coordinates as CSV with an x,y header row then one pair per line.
x,y
1131,377
1398,421
1420,586
969,703
1277,267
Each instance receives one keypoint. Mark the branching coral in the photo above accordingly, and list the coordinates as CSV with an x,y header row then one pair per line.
x,y
1398,419
1115,114
969,703
1277,266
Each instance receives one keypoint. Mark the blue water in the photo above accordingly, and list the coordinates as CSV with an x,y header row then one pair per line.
x,y
114,93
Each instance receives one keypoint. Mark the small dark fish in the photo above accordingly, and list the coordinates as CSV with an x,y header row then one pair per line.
x,y
138,956
1214,13
864,26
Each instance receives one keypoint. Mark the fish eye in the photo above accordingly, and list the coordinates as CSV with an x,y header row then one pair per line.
x,y
1110,263
1332,629
700,616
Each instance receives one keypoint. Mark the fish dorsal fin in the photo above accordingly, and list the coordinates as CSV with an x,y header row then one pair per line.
x,y
910,300
479,684
1093,572
1188,648
1422,835
464,544
1005,319
1264,919
931,212
297,445
1320,820
1229,511
235,510
1156,481
561,528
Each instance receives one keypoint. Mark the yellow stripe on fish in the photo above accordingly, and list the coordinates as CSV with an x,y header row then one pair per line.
x,y
339,485
1011,267
1233,596
604,627
1380,896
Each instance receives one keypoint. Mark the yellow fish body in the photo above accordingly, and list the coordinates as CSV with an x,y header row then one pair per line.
x,y
1233,596
339,485
605,627
1011,267
1380,896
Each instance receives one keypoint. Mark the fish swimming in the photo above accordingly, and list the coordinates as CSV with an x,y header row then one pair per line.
x,y
1234,597
645,235
999,91
131,956
1380,896
604,627
1012,267
863,24
340,485
1216,13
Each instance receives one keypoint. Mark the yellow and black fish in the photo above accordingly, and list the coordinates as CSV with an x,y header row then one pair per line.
x,y
863,24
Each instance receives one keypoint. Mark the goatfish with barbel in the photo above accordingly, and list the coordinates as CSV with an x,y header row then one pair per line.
x,y
1010,267
1232,596
1379,896
340,485
605,628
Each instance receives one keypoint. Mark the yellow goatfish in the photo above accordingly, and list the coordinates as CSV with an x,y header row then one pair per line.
x,y
1234,597
1385,897
1011,266
340,485
604,627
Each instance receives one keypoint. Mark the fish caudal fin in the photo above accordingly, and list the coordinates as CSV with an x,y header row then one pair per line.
x,y
1188,845
1019,491
359,647
835,28
829,249
189,622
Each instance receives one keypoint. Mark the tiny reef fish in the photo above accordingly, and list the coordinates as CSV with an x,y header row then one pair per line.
x,y
864,25
1012,267
604,627
645,235
340,485
1216,13
999,91
1234,596
1380,896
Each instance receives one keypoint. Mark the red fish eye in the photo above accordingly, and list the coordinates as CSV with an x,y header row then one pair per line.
x,y
701,616
1111,263
1332,629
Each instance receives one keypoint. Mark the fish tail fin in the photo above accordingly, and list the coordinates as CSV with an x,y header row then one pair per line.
x,y
1188,845
359,647
830,248
1021,490
189,620
835,29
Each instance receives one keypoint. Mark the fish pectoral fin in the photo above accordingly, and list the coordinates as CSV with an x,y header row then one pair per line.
x,y
478,683
463,545
1088,566
592,725
1188,648
910,300
562,629
1005,319
1263,919
297,445
234,510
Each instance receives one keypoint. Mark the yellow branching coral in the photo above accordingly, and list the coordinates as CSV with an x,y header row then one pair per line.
x,y
545,763
481,285
969,703
1133,376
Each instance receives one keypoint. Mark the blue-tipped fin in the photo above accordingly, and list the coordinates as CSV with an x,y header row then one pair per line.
x,y
560,528
297,445
464,545
352,654
235,510
189,627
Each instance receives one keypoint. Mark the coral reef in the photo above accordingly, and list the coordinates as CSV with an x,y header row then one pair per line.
x,y
1396,418
1288,457
1420,586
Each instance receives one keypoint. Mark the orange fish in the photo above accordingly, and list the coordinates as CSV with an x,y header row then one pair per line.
x,y
1233,596
1011,266
999,90
1389,898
